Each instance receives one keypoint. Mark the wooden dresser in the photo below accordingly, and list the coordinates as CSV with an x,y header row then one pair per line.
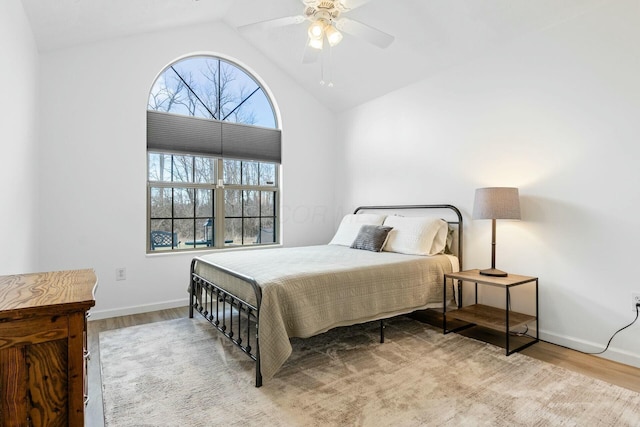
x,y
43,324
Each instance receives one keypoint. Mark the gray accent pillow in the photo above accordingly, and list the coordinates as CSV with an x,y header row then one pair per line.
x,y
371,238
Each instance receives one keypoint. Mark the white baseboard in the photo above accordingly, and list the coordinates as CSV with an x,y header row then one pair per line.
x,y
613,353
139,309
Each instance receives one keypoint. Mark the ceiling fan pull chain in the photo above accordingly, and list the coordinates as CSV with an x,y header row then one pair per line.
x,y
321,69
330,67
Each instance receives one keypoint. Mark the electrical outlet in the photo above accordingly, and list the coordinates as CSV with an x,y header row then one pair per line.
x,y
635,299
121,274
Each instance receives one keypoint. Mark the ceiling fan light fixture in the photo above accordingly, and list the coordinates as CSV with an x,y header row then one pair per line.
x,y
316,43
333,35
316,29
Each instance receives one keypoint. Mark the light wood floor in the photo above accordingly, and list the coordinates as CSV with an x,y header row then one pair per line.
x,y
612,372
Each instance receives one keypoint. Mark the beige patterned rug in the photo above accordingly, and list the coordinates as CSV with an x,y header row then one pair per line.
x,y
172,373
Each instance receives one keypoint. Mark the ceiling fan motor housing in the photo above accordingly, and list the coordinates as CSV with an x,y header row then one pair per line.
x,y
323,9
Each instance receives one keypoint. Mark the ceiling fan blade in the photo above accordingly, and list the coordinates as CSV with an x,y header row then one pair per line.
x,y
364,31
354,4
310,55
273,23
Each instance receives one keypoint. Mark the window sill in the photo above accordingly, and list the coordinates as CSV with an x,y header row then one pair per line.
x,y
200,251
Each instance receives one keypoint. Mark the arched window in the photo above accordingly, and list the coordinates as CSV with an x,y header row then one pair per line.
x,y
213,158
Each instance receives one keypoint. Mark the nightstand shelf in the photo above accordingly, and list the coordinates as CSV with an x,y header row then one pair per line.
x,y
490,317
504,320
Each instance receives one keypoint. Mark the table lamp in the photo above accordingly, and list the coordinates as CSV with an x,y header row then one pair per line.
x,y
496,203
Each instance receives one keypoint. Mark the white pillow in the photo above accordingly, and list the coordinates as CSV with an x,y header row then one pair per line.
x,y
416,235
350,226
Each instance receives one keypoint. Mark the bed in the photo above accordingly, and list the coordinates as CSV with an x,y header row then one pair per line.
x,y
383,261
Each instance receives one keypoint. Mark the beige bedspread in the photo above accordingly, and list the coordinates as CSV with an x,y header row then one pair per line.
x,y
309,290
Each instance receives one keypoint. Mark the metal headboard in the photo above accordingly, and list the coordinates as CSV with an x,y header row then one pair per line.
x,y
457,223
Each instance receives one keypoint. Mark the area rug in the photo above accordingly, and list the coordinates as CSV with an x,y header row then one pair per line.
x,y
182,373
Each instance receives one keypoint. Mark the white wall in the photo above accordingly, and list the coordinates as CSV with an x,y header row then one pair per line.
x,y
18,121
93,157
555,114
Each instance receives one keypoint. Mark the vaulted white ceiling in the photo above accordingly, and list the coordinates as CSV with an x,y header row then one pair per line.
x,y
430,35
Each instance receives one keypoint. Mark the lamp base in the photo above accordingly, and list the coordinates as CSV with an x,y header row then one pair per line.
x,y
493,272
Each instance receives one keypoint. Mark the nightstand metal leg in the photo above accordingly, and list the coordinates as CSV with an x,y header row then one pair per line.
x,y
444,305
507,321
537,318
476,292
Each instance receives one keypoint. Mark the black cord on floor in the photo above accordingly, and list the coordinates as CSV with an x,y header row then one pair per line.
x,y
616,332
522,334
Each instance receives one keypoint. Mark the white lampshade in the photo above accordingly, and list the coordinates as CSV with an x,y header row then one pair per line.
x,y
496,203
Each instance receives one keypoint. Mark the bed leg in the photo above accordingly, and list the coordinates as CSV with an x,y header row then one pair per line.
x,y
258,369
382,331
191,298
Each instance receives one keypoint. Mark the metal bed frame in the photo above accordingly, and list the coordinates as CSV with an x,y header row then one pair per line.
x,y
238,319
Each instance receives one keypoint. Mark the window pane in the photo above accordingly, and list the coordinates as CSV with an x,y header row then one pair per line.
x,y
169,94
250,173
185,230
239,86
153,166
232,172
204,202
233,231
251,231
184,88
267,231
267,174
202,72
160,202
251,203
232,203
161,236
268,203
203,233
159,167
161,224
205,170
262,113
207,231
183,168
183,202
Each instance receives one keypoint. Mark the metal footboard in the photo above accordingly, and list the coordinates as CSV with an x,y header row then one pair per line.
x,y
220,307
236,318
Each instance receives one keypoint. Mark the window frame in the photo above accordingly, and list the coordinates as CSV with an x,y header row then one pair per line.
x,y
218,210
218,187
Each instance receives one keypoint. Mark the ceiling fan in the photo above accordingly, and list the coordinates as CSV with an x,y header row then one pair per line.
x,y
326,24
